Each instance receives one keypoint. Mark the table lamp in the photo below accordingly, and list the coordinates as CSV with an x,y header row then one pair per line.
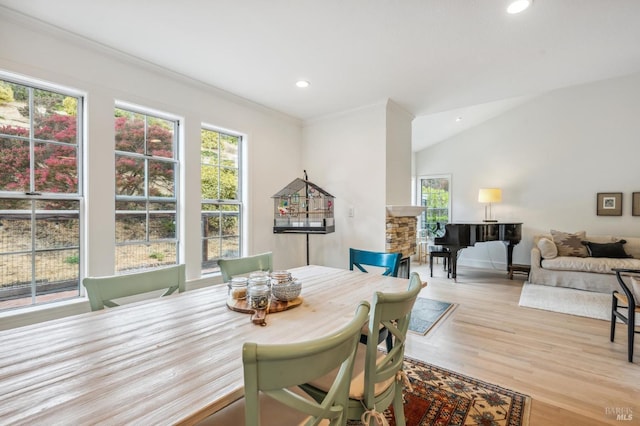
x,y
488,196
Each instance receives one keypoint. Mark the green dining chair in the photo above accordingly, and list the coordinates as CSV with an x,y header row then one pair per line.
x,y
361,258
377,376
273,372
244,265
103,290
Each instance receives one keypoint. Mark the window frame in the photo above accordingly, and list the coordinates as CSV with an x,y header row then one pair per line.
x,y
238,201
423,223
146,198
34,196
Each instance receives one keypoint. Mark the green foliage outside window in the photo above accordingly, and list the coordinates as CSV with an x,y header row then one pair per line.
x,y
70,105
219,170
6,93
220,186
435,196
39,153
146,199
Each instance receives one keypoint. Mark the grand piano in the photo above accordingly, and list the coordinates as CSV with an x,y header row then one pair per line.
x,y
460,235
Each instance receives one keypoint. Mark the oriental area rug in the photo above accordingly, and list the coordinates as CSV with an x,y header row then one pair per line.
x,y
444,398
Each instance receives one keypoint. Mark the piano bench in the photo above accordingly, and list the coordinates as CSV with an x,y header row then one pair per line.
x,y
443,253
519,269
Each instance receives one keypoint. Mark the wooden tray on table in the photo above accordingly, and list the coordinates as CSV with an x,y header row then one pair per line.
x,y
259,316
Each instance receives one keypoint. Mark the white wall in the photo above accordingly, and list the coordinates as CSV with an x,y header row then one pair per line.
x,y
363,158
345,154
398,155
38,51
550,156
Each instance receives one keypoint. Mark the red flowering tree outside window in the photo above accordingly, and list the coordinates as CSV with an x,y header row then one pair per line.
x,y
146,201
39,195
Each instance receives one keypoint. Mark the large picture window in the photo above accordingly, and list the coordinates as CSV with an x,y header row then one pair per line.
x,y
40,181
146,182
220,175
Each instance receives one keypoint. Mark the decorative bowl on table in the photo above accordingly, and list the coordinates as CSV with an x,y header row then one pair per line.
x,y
286,291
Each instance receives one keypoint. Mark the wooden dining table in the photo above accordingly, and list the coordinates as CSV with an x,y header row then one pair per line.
x,y
170,360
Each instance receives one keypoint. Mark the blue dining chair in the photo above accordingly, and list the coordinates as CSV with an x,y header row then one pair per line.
x,y
361,258
390,262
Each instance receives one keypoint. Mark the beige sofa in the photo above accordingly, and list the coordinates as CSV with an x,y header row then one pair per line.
x,y
584,273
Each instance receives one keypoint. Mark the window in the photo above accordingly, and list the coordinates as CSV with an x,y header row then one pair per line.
x,y
146,182
220,173
433,192
40,158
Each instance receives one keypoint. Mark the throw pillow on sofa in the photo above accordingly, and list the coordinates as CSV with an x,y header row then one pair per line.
x,y
548,249
610,250
570,244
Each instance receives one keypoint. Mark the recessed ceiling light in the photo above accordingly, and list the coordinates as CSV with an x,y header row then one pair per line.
x,y
518,6
458,119
302,83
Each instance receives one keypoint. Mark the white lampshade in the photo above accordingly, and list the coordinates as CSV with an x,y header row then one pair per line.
x,y
489,195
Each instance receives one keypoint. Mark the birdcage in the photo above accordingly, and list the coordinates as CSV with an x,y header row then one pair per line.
x,y
303,207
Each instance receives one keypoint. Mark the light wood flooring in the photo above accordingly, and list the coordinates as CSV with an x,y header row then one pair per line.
x,y
565,363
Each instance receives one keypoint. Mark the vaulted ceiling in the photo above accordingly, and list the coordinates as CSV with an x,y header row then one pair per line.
x,y
438,59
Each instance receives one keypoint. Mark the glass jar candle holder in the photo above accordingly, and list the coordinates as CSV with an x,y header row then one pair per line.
x,y
258,274
259,294
238,288
280,277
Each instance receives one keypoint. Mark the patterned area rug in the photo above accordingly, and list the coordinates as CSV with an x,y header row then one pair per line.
x,y
566,300
426,313
444,398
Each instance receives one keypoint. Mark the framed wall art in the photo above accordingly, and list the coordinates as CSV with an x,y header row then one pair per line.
x,y
609,204
635,206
